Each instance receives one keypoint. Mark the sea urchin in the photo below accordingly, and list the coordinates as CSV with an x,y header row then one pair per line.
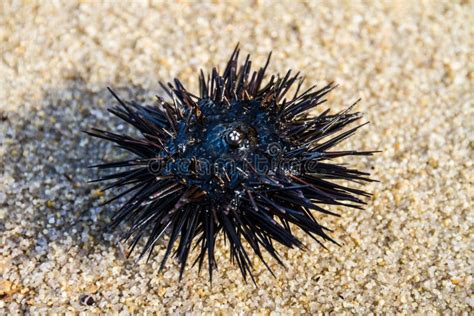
x,y
242,160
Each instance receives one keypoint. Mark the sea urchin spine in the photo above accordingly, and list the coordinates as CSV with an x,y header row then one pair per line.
x,y
243,160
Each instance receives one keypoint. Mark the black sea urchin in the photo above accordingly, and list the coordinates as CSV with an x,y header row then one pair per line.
x,y
243,160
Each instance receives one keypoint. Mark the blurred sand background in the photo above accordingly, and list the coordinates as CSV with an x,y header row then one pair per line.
x,y
411,62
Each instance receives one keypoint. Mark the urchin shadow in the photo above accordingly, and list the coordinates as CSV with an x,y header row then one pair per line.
x,y
47,154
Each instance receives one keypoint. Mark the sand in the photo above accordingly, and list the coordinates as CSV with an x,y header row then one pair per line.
x,y
410,251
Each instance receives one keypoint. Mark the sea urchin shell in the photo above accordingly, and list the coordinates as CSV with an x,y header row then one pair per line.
x,y
244,160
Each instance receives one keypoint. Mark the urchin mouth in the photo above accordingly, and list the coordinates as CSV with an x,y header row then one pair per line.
x,y
234,137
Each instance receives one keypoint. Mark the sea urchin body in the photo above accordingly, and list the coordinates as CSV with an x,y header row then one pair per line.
x,y
244,160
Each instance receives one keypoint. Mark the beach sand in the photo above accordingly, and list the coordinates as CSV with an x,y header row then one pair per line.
x,y
410,251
